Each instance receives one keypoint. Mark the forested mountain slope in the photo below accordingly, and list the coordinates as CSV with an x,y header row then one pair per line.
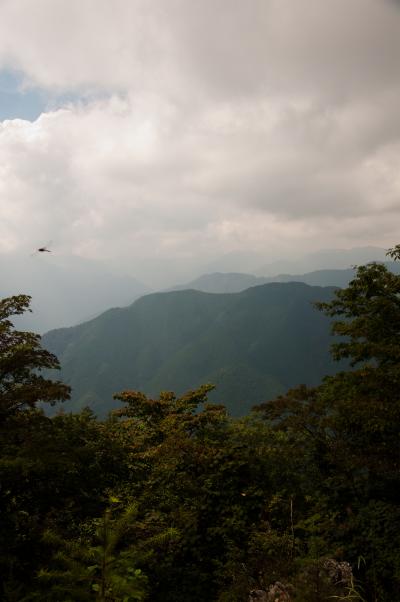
x,y
252,345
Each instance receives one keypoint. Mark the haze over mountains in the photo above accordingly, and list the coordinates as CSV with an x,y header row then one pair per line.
x,y
324,259
65,290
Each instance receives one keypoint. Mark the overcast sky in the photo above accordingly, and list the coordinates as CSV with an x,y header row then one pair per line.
x,y
162,134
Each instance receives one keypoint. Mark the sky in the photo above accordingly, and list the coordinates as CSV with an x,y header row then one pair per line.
x,y
159,136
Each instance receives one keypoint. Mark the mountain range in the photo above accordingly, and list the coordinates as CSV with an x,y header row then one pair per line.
x,y
253,345
234,282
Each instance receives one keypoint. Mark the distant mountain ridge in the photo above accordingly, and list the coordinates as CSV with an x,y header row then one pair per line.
x,y
234,282
253,345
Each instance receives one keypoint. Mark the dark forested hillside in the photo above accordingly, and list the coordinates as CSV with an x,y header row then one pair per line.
x,y
252,345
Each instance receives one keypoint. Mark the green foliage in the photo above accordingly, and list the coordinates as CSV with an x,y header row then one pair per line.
x,y
95,566
206,475
369,311
350,428
21,358
54,474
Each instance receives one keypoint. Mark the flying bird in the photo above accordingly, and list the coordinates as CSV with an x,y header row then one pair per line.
x,y
43,249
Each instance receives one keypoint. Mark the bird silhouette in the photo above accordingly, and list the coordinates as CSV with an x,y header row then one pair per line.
x,y
43,249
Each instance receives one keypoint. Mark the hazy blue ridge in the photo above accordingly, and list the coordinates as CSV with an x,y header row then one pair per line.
x,y
234,282
252,345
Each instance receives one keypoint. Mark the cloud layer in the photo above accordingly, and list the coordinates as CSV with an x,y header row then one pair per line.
x,y
200,129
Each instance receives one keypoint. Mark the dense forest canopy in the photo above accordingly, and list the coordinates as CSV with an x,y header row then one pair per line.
x,y
170,499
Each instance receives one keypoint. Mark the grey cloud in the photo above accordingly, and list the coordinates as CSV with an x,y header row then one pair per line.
x,y
328,50
180,48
